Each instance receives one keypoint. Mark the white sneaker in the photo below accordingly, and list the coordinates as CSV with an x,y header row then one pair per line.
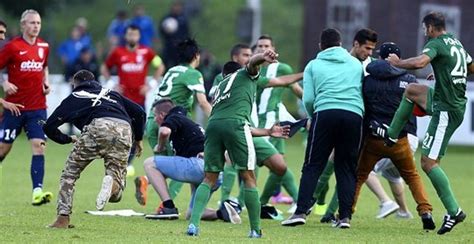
x,y
292,209
404,215
105,192
387,208
233,215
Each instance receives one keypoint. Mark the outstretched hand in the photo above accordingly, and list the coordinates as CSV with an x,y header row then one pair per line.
x,y
280,131
270,56
393,59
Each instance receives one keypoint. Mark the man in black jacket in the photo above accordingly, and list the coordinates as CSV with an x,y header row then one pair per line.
x,y
383,90
109,124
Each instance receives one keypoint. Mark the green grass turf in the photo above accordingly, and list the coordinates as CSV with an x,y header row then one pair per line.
x,y
21,222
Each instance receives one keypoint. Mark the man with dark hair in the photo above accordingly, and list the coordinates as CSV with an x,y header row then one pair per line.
x,y
132,62
110,124
363,46
446,104
382,90
229,129
333,98
3,30
187,165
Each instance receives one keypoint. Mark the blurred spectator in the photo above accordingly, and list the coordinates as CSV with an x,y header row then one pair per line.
x,y
81,25
173,28
3,30
70,49
145,24
87,61
209,69
116,29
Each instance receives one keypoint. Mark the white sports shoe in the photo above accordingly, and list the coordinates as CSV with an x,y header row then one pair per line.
x,y
387,208
105,192
404,215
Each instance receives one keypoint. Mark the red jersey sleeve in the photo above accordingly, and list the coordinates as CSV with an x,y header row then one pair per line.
x,y
111,59
5,55
150,55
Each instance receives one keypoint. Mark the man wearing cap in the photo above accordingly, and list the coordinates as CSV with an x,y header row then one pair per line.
x,y
382,90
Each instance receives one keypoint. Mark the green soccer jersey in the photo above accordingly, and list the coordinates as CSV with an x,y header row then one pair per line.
x,y
234,96
180,83
449,61
268,99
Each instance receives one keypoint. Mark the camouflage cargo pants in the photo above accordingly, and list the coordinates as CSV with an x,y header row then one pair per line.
x,y
106,138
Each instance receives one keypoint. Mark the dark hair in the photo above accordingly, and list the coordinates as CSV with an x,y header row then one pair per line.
x,y
187,50
435,19
83,76
132,27
266,37
330,38
3,23
364,35
163,105
230,67
236,49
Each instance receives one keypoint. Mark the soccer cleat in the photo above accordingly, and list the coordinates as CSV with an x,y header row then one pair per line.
x,y
328,218
39,197
141,186
164,213
404,215
281,199
130,171
342,224
294,220
379,130
450,221
192,230
270,212
428,223
320,209
229,213
255,234
105,192
387,208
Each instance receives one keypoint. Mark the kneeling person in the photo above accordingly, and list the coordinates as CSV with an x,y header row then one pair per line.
x,y
109,123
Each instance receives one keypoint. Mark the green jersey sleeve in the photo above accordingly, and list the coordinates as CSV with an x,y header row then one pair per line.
x,y
195,82
262,82
284,69
431,49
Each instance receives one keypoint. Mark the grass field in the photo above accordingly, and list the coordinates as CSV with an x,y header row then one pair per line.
x,y
21,222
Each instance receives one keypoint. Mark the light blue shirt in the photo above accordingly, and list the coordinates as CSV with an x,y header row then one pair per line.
x,y
333,80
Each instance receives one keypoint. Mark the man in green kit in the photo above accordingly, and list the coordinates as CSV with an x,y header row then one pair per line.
x,y
446,103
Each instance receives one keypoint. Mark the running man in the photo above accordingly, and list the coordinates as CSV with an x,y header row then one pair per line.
x,y
446,104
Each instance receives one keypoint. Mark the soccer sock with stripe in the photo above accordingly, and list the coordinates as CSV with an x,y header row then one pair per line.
x,y
403,114
441,183
241,197
201,198
252,202
273,181
288,182
334,204
37,171
230,173
322,187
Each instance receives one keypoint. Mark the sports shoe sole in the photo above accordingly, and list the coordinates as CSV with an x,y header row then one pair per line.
x,y
105,192
162,216
342,225
294,222
391,210
45,198
233,215
140,192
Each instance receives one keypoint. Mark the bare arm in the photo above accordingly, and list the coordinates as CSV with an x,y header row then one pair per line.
x,y
163,137
275,131
285,80
46,85
203,103
417,62
253,66
470,68
105,71
297,90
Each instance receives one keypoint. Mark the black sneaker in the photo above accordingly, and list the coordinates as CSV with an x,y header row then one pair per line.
x,y
328,219
379,130
164,213
269,212
344,223
450,221
428,223
294,220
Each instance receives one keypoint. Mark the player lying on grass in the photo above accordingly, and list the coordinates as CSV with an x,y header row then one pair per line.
x,y
187,165
229,129
109,124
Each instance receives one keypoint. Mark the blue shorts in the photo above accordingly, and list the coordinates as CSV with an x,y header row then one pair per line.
x,y
31,121
187,170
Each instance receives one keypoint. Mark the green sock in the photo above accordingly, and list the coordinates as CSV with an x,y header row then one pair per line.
x,y
271,184
228,181
241,197
252,202
401,117
322,187
201,198
441,183
174,188
334,204
288,182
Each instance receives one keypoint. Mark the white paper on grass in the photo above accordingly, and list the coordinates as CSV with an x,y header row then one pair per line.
x,y
122,212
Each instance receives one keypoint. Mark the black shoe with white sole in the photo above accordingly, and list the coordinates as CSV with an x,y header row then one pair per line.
x,y
164,213
344,223
450,221
294,220
428,223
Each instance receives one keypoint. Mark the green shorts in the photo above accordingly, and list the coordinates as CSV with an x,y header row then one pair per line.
x,y
231,135
263,149
442,126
